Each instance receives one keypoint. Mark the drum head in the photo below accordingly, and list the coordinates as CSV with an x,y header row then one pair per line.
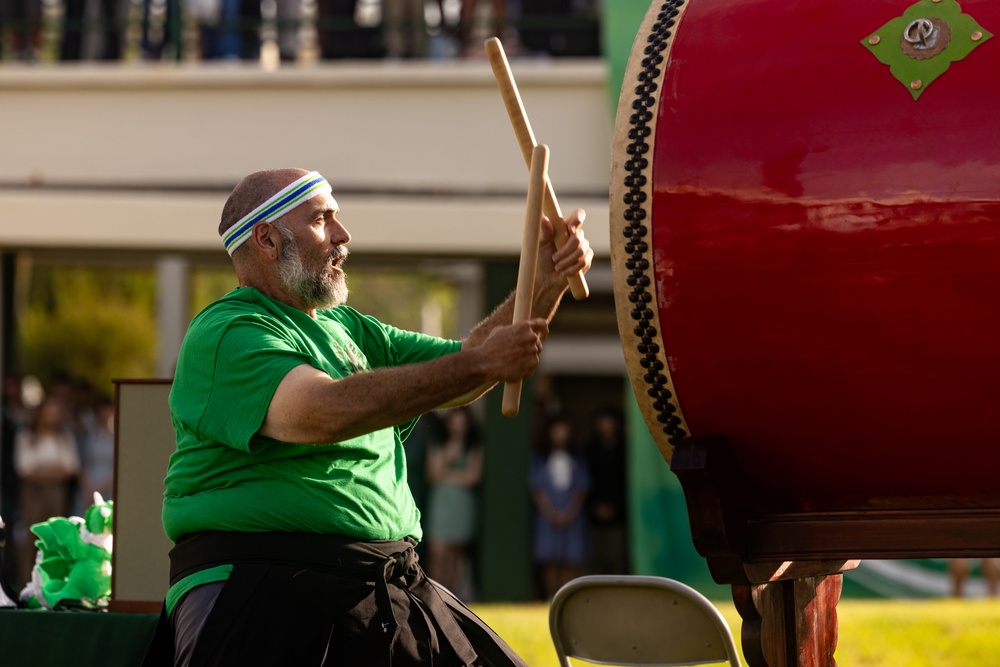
x,y
806,243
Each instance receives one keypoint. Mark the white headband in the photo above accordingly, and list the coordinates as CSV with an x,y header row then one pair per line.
x,y
282,202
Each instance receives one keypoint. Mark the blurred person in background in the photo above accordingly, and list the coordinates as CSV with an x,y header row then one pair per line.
x,y
161,28
106,30
13,414
341,35
97,456
561,28
23,18
227,29
559,486
959,569
404,28
607,505
469,29
454,471
289,23
47,463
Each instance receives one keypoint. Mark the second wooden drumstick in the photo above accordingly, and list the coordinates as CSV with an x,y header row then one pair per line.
x,y
526,141
537,173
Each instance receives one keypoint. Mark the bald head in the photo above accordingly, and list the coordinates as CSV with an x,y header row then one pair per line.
x,y
253,191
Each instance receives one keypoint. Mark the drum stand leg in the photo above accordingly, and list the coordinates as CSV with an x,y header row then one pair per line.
x,y
791,622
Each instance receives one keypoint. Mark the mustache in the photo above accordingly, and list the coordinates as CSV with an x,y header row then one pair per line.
x,y
339,255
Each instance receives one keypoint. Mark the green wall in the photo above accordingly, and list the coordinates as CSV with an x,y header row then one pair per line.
x,y
620,22
661,542
505,568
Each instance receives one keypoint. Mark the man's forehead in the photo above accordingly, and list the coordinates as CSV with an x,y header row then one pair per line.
x,y
323,202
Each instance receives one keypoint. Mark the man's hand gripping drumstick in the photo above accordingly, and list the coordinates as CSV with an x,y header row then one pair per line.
x,y
526,141
510,347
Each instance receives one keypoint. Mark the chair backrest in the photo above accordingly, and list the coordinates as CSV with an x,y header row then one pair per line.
x,y
633,620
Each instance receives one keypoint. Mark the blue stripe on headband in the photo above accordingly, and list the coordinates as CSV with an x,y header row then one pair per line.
x,y
286,199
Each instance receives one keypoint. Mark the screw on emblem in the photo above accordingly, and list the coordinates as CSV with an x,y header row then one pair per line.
x,y
924,38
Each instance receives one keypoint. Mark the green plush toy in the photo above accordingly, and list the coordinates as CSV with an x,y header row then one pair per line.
x,y
73,565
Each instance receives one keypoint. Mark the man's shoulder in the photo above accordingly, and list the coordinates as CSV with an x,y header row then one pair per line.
x,y
232,333
241,303
235,318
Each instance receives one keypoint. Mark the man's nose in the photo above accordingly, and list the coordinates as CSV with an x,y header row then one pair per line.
x,y
339,234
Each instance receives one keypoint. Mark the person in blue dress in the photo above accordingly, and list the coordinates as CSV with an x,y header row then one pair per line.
x,y
559,486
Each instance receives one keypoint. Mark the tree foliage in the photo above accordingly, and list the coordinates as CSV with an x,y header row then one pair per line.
x,y
400,299
94,325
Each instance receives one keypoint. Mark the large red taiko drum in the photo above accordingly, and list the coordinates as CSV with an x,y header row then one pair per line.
x,y
805,221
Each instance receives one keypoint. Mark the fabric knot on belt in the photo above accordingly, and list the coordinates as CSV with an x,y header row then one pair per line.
x,y
402,570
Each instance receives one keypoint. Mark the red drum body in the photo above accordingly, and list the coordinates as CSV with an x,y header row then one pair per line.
x,y
805,213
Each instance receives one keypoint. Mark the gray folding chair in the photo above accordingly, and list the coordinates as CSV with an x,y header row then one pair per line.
x,y
632,620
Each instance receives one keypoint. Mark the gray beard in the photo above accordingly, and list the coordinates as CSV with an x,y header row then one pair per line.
x,y
322,289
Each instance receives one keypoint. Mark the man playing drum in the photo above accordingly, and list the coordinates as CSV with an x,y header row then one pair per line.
x,y
287,496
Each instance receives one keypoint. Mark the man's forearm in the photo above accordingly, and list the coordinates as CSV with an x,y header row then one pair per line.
x,y
501,315
546,302
385,397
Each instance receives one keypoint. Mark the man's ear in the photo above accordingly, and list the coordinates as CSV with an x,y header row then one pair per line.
x,y
266,239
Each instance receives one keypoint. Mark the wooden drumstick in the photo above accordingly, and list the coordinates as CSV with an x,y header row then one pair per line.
x,y
526,140
537,170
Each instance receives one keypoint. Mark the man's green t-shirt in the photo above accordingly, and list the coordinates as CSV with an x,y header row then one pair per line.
x,y
224,476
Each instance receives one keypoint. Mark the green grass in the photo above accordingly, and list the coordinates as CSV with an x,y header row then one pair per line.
x,y
873,633
944,633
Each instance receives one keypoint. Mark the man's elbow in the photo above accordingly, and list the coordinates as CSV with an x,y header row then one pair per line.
x,y
465,399
308,430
